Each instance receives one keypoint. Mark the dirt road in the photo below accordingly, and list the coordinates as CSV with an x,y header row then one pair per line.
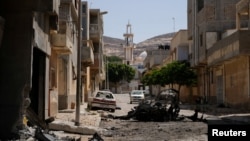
x,y
131,130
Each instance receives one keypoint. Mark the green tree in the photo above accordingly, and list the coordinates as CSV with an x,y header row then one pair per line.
x,y
152,77
113,59
180,73
177,72
118,72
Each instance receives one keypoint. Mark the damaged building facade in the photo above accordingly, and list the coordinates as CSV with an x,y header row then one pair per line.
x,y
218,31
24,53
38,53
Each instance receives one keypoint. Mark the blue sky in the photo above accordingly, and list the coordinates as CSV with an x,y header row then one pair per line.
x,y
148,18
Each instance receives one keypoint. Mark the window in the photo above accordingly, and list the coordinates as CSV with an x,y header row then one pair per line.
x,y
200,4
83,8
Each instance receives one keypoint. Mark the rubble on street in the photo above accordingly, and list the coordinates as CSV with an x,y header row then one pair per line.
x,y
156,111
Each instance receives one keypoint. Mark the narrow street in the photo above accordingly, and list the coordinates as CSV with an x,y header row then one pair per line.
x,y
123,103
57,55
130,130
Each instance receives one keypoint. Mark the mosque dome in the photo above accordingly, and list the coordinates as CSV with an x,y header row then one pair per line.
x,y
143,55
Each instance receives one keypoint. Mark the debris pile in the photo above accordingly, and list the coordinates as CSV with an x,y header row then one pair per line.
x,y
37,133
35,129
96,137
157,111
152,111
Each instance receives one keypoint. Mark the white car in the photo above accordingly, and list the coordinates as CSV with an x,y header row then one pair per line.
x,y
136,96
102,100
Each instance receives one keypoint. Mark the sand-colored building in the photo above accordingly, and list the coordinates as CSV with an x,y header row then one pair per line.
x,y
63,59
97,69
218,31
179,51
38,57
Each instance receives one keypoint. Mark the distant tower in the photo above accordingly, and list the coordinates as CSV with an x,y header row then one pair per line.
x,y
129,46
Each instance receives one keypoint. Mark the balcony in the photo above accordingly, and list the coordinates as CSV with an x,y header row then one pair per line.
x,y
74,7
61,43
49,6
94,32
229,47
97,60
87,54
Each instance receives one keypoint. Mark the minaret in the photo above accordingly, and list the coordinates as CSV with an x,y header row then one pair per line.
x,y
128,46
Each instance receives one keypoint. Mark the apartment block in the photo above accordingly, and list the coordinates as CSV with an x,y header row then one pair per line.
x,y
179,51
63,62
218,31
97,69
87,55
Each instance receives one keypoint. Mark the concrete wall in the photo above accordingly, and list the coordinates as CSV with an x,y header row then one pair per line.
x,y
53,103
15,72
237,82
182,53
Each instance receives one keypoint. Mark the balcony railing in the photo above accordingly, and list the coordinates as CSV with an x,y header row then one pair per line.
x,y
74,7
94,31
231,46
97,60
61,43
87,54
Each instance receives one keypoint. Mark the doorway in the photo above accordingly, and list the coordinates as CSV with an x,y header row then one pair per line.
x,y
37,95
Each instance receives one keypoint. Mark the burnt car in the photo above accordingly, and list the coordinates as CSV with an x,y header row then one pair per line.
x,y
167,96
102,100
163,107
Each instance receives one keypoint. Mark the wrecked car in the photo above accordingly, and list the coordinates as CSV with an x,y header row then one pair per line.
x,y
164,107
102,100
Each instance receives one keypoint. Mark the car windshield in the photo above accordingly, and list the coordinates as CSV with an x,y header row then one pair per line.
x,y
107,95
137,93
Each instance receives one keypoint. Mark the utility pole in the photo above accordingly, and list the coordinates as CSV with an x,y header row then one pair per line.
x,y
78,86
174,24
107,74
